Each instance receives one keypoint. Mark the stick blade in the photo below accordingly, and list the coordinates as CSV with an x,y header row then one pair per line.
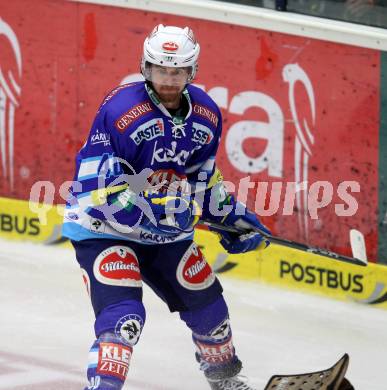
x,y
357,241
329,379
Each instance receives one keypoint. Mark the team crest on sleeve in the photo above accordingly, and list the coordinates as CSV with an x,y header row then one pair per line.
x,y
118,266
193,271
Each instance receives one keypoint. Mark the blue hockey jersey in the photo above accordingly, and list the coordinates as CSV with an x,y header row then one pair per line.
x,y
133,134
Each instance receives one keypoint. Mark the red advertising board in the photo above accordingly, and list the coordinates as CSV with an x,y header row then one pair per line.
x,y
301,116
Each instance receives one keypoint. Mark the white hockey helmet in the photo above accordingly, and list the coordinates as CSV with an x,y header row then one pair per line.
x,y
172,47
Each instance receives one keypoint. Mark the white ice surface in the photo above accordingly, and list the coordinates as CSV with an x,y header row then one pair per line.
x,y
46,326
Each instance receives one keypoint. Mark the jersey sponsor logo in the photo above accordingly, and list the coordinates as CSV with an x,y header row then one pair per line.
x,y
117,266
148,131
201,134
157,238
218,353
170,155
129,328
170,46
193,271
100,138
169,180
113,360
132,115
206,113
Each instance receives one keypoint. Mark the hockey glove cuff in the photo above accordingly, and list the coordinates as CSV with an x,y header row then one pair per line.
x,y
248,240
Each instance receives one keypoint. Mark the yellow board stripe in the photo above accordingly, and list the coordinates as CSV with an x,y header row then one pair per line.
x,y
277,265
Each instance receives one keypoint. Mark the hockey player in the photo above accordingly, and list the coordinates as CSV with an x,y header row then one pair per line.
x,y
144,177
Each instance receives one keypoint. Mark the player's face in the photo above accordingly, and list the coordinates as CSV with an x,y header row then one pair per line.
x,y
169,83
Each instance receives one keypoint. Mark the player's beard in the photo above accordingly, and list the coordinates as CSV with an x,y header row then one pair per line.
x,y
170,96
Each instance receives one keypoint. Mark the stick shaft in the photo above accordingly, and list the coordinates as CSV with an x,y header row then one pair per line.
x,y
287,243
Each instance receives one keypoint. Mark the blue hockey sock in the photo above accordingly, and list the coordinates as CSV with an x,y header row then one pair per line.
x,y
211,333
109,362
118,328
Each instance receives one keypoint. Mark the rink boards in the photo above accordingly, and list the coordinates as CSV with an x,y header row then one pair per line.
x,y
277,265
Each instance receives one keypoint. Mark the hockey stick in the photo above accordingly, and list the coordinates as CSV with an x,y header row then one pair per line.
x,y
329,379
285,242
358,246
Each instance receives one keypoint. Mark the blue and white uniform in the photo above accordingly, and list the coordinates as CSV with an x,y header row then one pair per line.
x,y
133,125
133,133
138,151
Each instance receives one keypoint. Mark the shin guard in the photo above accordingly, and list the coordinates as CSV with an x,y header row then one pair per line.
x,y
109,362
211,333
118,328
